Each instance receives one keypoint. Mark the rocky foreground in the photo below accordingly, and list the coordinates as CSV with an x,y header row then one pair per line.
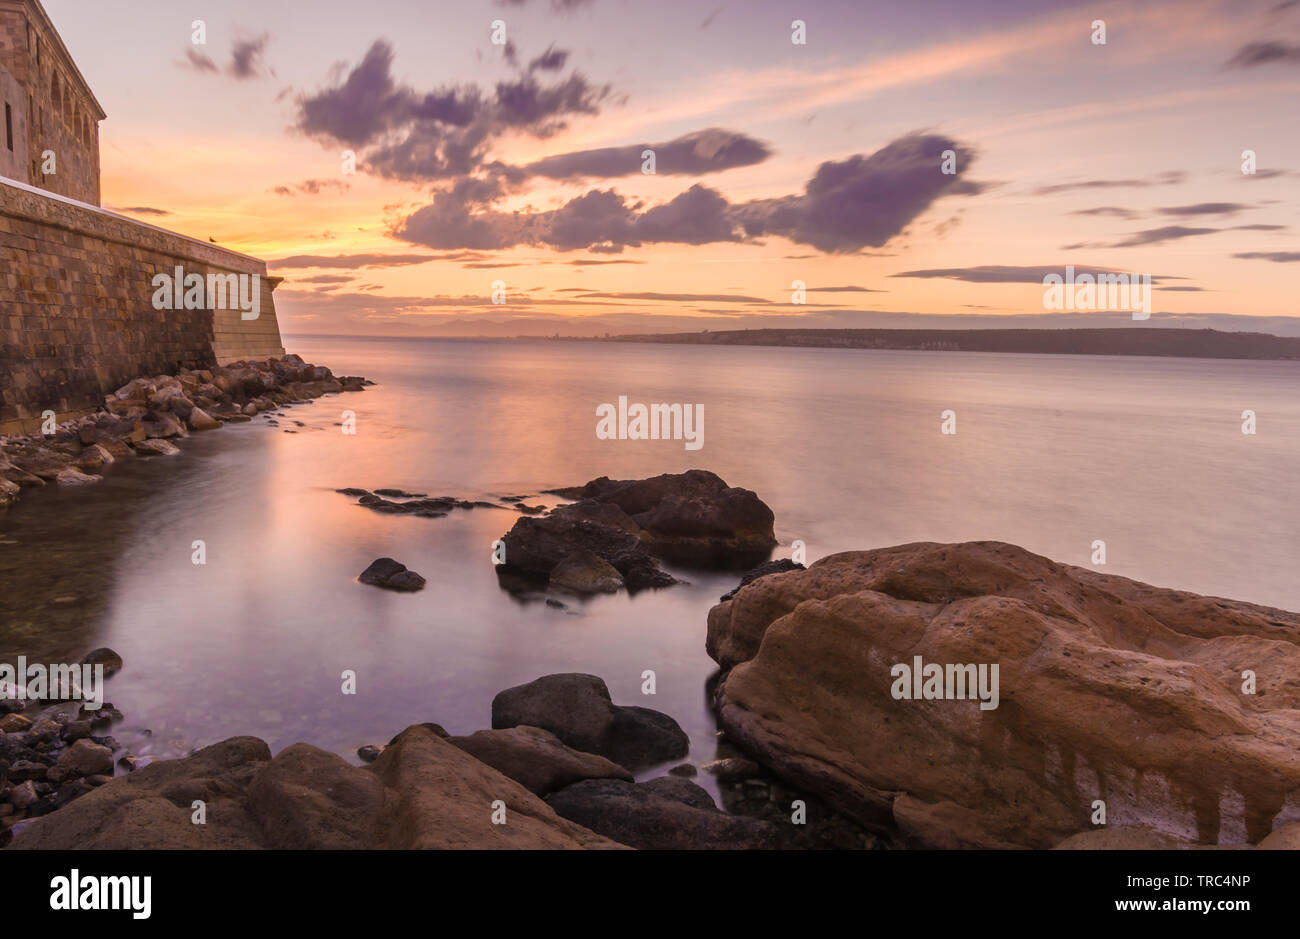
x,y
1121,716
1111,691
555,772
145,417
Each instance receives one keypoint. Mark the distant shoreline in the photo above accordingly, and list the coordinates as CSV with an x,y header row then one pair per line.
x,y
1163,342
1149,341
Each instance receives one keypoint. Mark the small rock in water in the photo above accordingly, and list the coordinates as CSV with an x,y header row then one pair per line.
x,y
106,657
685,769
732,769
390,493
369,753
392,575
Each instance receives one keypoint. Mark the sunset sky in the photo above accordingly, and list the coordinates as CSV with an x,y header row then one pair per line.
x,y
775,161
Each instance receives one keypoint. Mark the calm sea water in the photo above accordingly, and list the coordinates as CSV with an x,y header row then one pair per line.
x,y
1051,452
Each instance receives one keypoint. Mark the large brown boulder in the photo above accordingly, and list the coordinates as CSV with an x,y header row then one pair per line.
x,y
1109,690
422,792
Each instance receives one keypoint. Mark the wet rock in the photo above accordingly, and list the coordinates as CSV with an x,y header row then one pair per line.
x,y
731,769
422,792
106,657
94,458
162,424
685,770
666,814
24,795
577,709
583,573
391,575
369,753
87,758
536,758
691,518
778,566
14,724
27,769
156,448
201,420
76,730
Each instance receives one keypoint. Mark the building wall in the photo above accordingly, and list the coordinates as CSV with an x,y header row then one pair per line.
x,y
77,316
62,115
13,128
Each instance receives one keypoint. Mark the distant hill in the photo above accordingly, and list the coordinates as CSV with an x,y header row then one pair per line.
x,y
1185,343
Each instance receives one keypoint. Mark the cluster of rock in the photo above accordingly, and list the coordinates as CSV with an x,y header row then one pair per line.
x,y
51,759
145,416
556,771
418,503
618,531
1111,691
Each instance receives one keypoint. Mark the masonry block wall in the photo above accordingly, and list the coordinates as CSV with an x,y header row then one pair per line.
x,y
77,318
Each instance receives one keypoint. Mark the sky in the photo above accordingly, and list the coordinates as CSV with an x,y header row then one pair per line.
x,y
499,156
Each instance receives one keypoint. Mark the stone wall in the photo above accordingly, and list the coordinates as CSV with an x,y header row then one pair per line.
x,y
77,312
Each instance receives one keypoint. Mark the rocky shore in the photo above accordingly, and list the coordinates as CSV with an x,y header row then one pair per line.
x,y
1121,715
147,415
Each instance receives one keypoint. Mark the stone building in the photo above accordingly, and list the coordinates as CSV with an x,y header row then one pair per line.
x,y
51,115
79,313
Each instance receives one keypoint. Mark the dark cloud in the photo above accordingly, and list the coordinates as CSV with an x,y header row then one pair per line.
x,y
357,261
844,290
551,60
562,6
676,297
865,200
588,262
1168,178
1155,236
246,58
200,61
694,154
312,187
1264,53
1277,257
847,205
1008,274
324,279
141,210
443,133
1204,208
1108,211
